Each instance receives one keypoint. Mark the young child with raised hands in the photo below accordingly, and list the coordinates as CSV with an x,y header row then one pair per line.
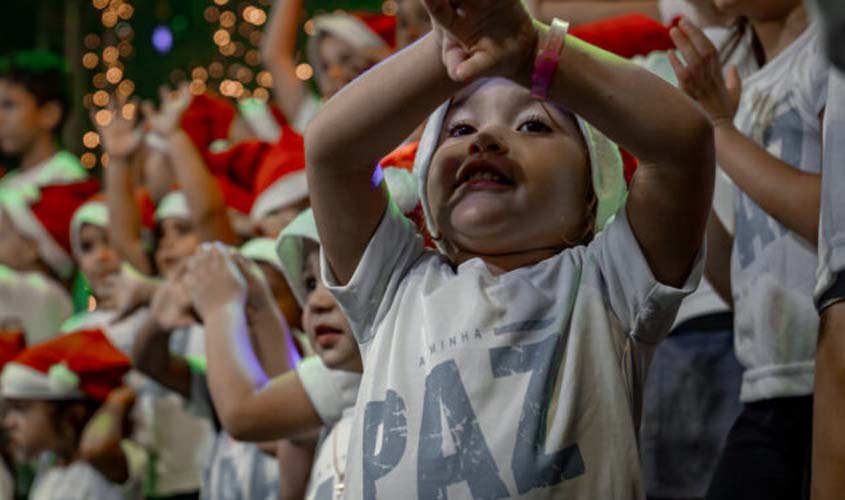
x,y
768,138
510,361
319,392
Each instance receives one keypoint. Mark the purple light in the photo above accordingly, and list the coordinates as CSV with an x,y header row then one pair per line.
x,y
162,39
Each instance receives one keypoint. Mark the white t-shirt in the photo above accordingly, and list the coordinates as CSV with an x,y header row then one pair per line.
x,y
38,302
832,229
528,383
77,481
177,441
61,168
773,268
235,470
329,469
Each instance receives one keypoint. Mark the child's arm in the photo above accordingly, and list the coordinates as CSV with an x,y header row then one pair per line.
x,y
250,407
100,442
295,461
278,52
151,355
786,193
204,197
121,139
356,128
828,479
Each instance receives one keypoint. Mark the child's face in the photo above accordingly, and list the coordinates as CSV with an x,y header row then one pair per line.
x,y
341,63
325,324
285,299
412,22
510,175
758,10
97,259
16,250
22,120
275,222
179,240
31,427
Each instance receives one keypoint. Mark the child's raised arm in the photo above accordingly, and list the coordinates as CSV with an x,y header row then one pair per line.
x,y
278,53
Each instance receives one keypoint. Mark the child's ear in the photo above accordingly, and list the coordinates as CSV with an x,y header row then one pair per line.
x,y
50,115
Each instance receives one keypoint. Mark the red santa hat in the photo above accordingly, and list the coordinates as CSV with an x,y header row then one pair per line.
x,y
83,364
208,119
47,219
382,25
12,343
281,179
626,36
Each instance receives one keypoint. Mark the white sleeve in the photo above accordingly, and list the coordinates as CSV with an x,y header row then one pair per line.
x,y
391,252
832,224
330,391
645,307
813,73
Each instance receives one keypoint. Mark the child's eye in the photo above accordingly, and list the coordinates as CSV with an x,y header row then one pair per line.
x,y
460,129
310,284
534,126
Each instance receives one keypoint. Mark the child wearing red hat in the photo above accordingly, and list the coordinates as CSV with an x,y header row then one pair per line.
x,y
35,255
35,104
51,391
12,342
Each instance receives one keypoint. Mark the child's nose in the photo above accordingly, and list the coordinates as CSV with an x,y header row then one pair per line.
x,y
487,142
321,300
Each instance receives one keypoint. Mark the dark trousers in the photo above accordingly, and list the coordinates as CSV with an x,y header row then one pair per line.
x,y
767,455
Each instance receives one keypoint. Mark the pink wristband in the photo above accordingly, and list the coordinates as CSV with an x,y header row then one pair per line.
x,y
547,60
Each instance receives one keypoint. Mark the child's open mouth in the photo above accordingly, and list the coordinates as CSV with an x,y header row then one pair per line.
x,y
327,335
479,174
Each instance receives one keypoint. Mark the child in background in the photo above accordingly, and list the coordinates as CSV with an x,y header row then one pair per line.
x,y
51,390
12,342
320,391
34,104
340,48
770,144
35,256
562,310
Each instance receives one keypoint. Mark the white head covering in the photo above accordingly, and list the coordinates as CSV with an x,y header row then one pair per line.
x,y
605,165
173,205
290,248
262,250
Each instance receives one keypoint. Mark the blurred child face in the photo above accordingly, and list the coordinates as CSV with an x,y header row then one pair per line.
x,y
325,324
412,22
97,259
31,428
511,174
17,251
285,299
758,10
179,240
22,120
341,63
275,222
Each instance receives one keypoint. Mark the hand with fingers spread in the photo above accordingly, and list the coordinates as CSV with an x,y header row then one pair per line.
x,y
482,38
214,281
700,74
168,117
121,136
171,305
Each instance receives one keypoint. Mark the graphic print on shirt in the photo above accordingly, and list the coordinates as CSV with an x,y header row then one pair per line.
x,y
782,136
452,448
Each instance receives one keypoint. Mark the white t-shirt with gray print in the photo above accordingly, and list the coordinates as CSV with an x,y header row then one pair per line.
x,y
773,268
527,384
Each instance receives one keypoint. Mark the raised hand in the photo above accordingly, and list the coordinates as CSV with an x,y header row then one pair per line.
x,y
171,304
168,117
484,38
126,292
214,281
700,75
121,136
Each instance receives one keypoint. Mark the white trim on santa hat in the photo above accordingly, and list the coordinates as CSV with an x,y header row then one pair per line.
x,y
19,381
94,213
260,119
262,250
16,207
286,191
173,205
